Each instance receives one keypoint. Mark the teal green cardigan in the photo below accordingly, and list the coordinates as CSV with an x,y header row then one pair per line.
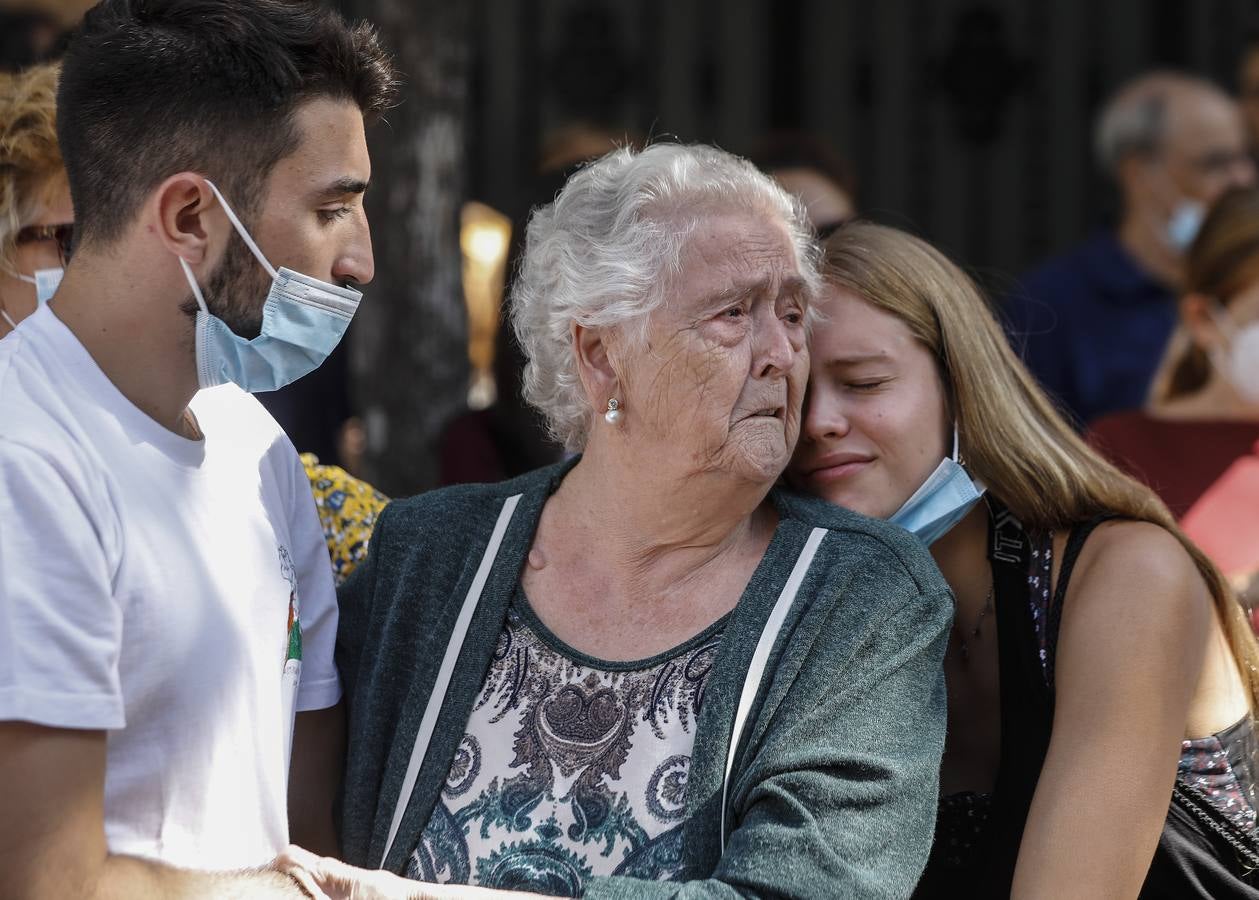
x,y
833,791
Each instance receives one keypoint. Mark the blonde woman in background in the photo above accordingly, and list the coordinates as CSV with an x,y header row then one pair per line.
x,y
1101,677
1199,433
36,218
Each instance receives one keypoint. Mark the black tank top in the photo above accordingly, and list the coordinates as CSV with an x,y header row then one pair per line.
x,y
1209,847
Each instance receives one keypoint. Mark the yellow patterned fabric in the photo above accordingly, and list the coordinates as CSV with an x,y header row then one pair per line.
x,y
348,509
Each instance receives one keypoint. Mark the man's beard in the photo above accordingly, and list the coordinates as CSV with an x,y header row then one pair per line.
x,y
238,290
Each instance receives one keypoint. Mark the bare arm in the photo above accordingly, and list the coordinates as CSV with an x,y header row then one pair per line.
x,y
52,832
1135,626
315,777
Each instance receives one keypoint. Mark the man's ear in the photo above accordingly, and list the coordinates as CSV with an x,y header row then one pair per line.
x,y
1197,314
179,208
595,364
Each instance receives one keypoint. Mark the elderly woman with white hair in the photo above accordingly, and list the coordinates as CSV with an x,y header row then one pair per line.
x,y
648,671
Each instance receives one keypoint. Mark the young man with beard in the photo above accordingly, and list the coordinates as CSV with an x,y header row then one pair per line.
x,y
166,601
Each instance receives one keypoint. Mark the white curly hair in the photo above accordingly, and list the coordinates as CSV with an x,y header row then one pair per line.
x,y
604,254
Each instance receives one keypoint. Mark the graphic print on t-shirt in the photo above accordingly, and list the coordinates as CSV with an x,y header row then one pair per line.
x,y
294,633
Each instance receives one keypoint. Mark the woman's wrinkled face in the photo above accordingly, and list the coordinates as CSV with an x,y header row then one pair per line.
x,y
876,418
719,383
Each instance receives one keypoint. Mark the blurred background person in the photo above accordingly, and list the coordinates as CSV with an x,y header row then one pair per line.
x,y
1093,323
348,509
811,169
1098,665
36,217
1203,412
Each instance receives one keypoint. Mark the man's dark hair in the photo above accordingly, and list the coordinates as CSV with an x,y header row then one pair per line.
x,y
150,88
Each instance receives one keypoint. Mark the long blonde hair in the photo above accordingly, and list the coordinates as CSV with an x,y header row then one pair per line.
x,y
1010,434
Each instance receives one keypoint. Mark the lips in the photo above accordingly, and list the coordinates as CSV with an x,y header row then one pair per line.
x,y
835,466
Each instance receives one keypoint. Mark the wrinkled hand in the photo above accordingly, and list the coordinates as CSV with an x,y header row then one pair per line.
x,y
330,879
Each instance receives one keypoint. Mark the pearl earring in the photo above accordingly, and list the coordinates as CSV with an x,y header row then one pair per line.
x,y
613,415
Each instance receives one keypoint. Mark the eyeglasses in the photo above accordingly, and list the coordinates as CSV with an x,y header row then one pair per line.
x,y
62,234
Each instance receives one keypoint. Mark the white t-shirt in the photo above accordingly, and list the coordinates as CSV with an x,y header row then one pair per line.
x,y
145,589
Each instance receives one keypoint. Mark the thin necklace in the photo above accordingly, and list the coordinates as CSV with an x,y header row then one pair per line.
x,y
974,632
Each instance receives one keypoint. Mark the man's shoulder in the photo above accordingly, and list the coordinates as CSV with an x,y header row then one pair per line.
x,y
35,411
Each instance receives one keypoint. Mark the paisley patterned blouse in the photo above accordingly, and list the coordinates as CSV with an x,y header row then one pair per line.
x,y
570,766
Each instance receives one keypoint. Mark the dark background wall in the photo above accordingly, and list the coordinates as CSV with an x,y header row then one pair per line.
x,y
968,122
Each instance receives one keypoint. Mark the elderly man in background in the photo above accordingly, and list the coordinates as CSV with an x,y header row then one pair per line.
x,y
1092,324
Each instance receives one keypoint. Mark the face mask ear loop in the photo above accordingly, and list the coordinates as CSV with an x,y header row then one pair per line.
x,y
240,229
5,314
956,446
192,282
29,279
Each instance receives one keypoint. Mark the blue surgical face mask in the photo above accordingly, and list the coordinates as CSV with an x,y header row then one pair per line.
x,y
1185,224
941,502
46,282
303,319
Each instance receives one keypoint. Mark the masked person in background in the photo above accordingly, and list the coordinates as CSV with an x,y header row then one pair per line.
x,y
1203,412
167,612
1099,668
1092,323
36,218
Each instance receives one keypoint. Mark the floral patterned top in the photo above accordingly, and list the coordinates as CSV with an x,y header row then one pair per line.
x,y
348,509
570,766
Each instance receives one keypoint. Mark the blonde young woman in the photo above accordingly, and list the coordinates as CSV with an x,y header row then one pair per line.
x,y
1101,677
36,218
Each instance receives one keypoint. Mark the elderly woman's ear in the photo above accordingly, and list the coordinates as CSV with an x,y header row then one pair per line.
x,y
595,365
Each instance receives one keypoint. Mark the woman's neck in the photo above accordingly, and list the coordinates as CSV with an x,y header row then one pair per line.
x,y
962,555
657,529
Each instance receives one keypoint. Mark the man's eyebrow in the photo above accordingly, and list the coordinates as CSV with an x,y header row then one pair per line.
x,y
341,187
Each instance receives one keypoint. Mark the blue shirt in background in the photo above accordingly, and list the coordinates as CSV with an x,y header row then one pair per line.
x,y
1092,326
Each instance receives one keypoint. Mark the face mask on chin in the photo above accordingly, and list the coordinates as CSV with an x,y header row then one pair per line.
x,y
943,500
303,319
1185,223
